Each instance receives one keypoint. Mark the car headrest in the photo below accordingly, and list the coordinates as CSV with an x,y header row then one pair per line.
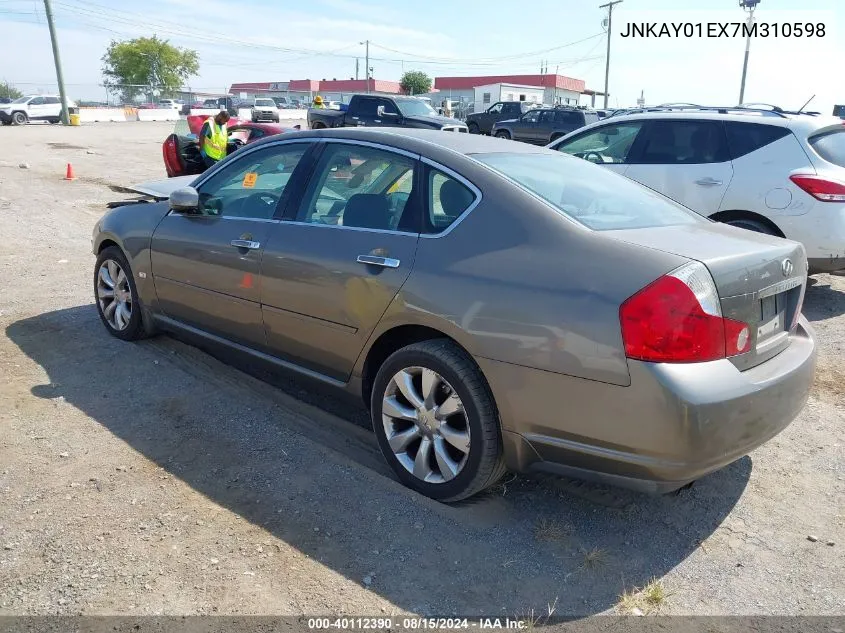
x,y
454,198
367,211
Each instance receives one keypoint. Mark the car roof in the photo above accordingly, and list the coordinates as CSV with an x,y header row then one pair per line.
x,y
805,124
422,141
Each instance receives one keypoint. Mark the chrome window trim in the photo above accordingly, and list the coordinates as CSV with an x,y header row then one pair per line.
x,y
387,148
350,228
461,179
221,217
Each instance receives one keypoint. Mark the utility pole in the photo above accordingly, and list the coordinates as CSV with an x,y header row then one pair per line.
x,y
749,5
356,68
48,10
367,65
609,6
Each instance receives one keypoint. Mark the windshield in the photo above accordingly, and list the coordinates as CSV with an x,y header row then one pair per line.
x,y
265,103
22,100
597,198
831,147
415,107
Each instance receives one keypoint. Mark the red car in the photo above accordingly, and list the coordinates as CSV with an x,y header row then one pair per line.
x,y
181,149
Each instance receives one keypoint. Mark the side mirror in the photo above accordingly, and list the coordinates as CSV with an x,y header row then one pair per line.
x,y
185,200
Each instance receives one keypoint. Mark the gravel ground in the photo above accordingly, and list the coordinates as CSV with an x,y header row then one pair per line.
x,y
152,478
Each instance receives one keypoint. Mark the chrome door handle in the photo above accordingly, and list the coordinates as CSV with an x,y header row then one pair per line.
x,y
245,244
708,182
355,118
373,260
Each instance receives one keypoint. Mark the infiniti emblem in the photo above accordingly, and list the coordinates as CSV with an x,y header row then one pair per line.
x,y
787,267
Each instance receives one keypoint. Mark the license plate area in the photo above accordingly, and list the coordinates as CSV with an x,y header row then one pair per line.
x,y
772,316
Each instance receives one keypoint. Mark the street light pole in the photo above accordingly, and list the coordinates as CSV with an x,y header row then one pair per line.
x,y
609,6
48,11
367,63
749,5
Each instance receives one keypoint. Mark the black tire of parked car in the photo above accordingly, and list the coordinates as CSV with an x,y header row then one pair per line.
x,y
752,225
19,118
136,329
503,134
473,128
485,464
55,120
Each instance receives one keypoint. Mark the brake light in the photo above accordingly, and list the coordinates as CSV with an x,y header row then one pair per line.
x,y
678,319
171,157
820,188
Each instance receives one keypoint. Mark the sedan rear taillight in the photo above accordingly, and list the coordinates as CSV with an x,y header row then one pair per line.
x,y
172,162
820,188
678,319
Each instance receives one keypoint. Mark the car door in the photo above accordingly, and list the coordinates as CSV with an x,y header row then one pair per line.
x,y
495,112
607,145
686,160
52,108
363,111
36,109
340,256
206,265
525,129
545,126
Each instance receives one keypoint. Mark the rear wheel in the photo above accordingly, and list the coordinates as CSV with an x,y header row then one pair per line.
x,y
436,422
503,134
752,225
318,126
55,120
473,128
19,118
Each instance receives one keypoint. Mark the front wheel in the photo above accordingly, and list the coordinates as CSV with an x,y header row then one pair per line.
x,y
436,421
116,296
19,118
473,128
503,134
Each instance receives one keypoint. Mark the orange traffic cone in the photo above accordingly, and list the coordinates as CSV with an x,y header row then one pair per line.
x,y
69,175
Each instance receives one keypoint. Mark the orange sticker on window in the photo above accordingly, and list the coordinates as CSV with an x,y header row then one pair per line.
x,y
250,179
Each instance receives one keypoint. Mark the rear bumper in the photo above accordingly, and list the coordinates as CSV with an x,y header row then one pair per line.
x,y
5,117
672,425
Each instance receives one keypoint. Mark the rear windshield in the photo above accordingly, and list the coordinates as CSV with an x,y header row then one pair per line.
x,y
592,195
831,147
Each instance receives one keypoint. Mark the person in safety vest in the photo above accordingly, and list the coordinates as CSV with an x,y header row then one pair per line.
x,y
214,137
318,102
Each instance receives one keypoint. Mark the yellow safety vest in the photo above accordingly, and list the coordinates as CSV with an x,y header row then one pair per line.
x,y
215,145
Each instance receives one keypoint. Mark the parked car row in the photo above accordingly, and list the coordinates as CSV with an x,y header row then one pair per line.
x,y
496,305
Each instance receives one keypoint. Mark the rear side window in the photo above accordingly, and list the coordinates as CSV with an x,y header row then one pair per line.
x,y
683,143
744,138
448,198
562,117
831,147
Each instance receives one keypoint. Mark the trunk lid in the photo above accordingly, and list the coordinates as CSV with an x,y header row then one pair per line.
x,y
760,279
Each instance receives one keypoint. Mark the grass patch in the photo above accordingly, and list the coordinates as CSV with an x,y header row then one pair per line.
x,y
550,530
651,598
595,558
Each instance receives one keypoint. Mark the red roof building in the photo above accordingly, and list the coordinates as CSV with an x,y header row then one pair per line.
x,y
309,86
547,81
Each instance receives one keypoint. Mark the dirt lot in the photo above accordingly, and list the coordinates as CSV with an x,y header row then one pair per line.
x,y
151,478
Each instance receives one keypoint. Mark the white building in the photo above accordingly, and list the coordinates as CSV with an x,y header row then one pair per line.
x,y
487,95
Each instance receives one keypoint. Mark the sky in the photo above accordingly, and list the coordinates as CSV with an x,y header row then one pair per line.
x,y
278,40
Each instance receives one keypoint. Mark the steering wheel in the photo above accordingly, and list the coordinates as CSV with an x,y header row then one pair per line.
x,y
262,198
237,142
598,157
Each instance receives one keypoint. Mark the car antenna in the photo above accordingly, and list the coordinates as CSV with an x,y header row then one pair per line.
x,y
806,104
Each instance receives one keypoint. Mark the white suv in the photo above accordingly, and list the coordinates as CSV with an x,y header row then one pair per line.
x,y
767,170
265,110
33,108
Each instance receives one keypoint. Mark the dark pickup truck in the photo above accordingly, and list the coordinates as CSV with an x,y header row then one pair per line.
x,y
382,111
482,122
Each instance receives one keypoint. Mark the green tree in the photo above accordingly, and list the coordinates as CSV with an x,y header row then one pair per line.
x,y
145,65
415,82
8,90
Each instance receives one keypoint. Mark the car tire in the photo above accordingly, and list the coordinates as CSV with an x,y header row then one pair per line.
x,y
55,120
448,470
503,134
752,225
112,269
473,128
19,118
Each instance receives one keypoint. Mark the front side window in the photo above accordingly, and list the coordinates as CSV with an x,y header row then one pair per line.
x,y
387,106
607,144
37,101
597,198
496,108
448,198
252,186
360,187
684,143
413,107
531,117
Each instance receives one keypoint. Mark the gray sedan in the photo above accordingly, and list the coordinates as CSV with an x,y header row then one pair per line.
x,y
495,305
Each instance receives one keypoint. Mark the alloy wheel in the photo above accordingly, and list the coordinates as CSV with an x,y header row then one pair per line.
x,y
114,295
426,425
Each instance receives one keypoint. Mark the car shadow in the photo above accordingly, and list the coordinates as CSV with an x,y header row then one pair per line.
x,y
526,543
823,301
